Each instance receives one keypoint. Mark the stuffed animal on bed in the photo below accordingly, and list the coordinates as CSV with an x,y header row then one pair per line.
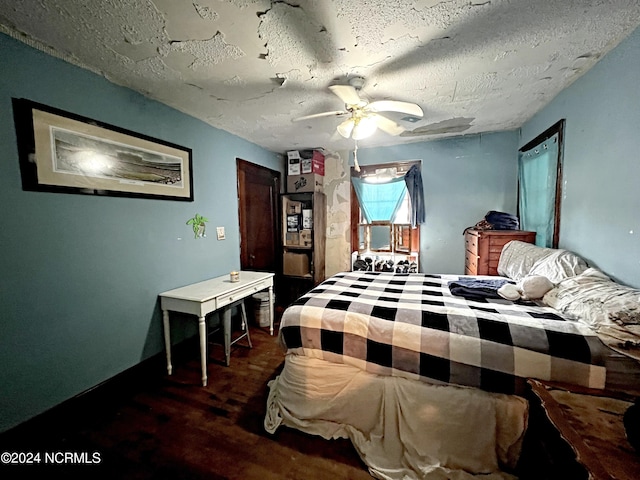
x,y
532,287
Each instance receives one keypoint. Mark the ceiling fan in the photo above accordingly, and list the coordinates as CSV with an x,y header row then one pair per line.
x,y
364,116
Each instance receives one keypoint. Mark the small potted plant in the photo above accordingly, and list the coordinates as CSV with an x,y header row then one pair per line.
x,y
198,225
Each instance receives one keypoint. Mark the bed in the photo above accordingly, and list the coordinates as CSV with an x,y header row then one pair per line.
x,y
427,383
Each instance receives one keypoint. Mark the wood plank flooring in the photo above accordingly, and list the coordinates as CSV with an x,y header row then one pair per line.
x,y
170,427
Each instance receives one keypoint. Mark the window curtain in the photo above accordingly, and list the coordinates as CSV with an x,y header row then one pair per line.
x,y
537,175
380,201
413,181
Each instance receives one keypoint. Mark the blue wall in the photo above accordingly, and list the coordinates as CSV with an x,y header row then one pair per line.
x,y
464,177
80,275
600,216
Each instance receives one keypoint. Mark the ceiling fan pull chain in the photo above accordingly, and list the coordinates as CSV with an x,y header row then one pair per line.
x,y
355,157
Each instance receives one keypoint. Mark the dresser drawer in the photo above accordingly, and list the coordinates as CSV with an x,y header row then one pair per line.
x,y
494,258
470,263
242,293
471,243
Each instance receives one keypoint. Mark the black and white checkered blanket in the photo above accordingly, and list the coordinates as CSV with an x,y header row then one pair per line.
x,y
411,325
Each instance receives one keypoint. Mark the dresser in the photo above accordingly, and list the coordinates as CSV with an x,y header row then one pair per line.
x,y
483,248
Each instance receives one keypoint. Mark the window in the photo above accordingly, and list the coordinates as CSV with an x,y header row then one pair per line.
x,y
381,212
540,185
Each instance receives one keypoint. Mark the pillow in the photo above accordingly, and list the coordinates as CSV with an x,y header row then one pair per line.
x,y
593,298
558,265
517,258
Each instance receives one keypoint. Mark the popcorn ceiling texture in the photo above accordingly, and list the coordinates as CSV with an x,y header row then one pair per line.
x,y
250,66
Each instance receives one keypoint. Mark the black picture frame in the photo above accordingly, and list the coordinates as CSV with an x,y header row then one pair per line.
x,y
63,152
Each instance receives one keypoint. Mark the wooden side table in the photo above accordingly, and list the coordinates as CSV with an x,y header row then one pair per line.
x,y
591,423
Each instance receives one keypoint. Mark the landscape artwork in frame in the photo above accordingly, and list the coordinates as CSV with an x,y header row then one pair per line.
x,y
64,152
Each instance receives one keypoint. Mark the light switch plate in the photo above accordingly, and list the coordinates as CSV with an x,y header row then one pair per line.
x,y
220,233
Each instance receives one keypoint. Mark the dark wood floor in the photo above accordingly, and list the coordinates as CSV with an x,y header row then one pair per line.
x,y
170,427
146,425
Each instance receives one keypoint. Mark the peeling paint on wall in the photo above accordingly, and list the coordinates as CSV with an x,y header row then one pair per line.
x,y
337,191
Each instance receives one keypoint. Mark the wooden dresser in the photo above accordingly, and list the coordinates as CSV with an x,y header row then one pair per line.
x,y
483,248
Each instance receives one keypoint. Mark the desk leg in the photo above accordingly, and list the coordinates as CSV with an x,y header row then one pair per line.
x,y
226,327
202,327
271,307
167,339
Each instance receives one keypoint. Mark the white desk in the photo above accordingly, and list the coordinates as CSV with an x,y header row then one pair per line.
x,y
208,296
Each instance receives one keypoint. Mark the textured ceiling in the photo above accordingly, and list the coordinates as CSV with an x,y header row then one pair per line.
x,y
251,66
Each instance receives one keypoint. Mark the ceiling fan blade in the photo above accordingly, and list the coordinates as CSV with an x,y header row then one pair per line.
x,y
346,93
395,106
387,126
335,113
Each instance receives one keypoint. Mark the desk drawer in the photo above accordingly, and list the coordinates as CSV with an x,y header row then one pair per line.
x,y
242,293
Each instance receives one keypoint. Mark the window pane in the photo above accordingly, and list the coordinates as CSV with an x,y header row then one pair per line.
x,y
380,238
404,212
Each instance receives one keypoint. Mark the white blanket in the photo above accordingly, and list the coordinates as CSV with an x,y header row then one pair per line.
x,y
401,428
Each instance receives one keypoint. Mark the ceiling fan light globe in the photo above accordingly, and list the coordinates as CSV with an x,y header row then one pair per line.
x,y
364,128
346,127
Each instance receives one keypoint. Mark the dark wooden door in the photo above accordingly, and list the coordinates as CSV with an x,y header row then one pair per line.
x,y
258,195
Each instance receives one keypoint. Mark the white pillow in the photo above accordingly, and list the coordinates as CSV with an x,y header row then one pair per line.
x,y
593,298
517,258
560,264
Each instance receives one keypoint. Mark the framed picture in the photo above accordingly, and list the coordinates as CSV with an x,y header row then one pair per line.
x,y
68,153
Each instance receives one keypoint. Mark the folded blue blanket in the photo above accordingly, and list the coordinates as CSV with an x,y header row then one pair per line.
x,y
502,220
474,288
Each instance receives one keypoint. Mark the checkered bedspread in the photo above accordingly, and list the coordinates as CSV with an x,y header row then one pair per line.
x,y
410,325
